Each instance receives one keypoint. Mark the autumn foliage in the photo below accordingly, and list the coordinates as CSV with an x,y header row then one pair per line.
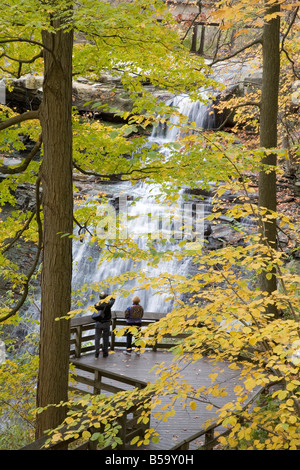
x,y
219,307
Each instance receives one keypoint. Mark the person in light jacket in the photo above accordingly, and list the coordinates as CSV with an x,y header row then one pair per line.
x,y
133,315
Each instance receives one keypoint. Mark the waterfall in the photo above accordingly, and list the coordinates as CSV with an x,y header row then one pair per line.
x,y
145,218
197,112
88,264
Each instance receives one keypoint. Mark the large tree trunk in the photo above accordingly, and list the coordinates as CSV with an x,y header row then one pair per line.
x,y
56,121
268,134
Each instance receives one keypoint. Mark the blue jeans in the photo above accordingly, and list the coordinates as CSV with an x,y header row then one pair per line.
x,y
102,329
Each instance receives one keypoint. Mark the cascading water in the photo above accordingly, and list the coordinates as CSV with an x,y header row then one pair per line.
x,y
197,112
88,264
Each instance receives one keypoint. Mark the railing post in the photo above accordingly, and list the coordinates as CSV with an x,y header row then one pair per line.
x,y
209,437
185,446
97,382
78,339
113,336
123,430
154,348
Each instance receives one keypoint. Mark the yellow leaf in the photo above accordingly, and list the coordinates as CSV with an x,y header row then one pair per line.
x,y
293,419
134,440
282,394
250,384
238,389
86,434
56,437
290,386
193,405
213,377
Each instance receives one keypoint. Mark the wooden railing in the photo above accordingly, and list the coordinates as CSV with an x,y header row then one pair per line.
x,y
92,377
95,380
83,333
100,380
210,441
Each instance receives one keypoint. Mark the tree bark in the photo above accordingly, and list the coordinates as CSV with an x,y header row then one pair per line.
x,y
56,122
194,38
202,39
268,134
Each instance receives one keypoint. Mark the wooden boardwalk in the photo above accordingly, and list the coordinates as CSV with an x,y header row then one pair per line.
x,y
182,431
185,422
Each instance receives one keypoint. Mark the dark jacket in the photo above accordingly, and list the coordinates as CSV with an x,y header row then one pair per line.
x,y
134,314
105,308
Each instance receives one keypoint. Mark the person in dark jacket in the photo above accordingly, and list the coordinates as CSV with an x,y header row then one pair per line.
x,y
133,315
102,327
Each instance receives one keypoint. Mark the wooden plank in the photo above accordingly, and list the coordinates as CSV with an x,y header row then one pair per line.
x,y
154,316
185,429
87,319
77,321
84,324
186,422
88,367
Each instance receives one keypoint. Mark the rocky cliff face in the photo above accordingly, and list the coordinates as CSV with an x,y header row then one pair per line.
x,y
27,93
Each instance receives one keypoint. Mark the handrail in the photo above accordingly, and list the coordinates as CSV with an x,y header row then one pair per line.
x,y
98,373
78,326
208,433
81,344
130,426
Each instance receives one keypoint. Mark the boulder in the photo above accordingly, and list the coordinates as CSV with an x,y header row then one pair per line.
x,y
295,97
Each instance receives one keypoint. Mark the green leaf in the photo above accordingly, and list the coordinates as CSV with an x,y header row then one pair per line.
x,y
134,440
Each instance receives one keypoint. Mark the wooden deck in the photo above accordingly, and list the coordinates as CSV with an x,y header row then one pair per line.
x,y
183,431
185,422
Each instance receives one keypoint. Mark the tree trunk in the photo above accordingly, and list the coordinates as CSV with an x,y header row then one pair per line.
x,y
56,121
194,38
268,134
202,39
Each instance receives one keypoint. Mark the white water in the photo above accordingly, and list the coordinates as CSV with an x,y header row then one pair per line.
x,y
196,111
88,265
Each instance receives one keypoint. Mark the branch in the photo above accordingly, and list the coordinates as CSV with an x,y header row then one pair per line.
x,y
19,118
19,233
6,170
29,41
289,27
190,26
291,61
17,411
23,61
247,46
82,228
232,109
14,310
117,176
93,173
283,49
